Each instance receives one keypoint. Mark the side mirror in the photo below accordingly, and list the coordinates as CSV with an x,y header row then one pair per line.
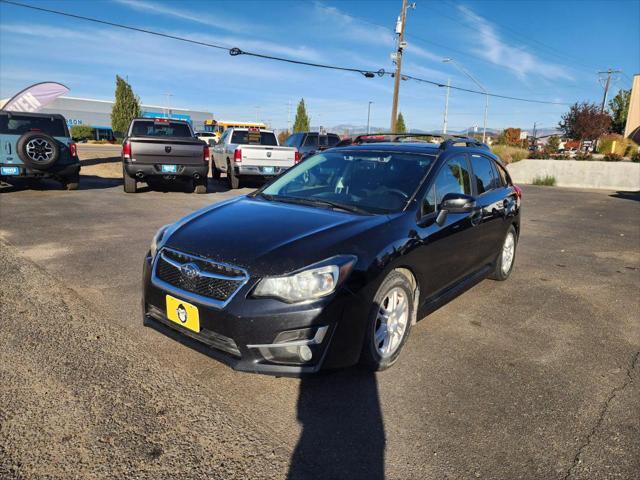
x,y
454,203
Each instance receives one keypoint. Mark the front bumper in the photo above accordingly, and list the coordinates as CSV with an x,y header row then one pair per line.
x,y
142,171
243,332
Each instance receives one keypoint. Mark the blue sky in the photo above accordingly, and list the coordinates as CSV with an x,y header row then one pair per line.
x,y
547,50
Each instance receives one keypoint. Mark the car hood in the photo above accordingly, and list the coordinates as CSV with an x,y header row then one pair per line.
x,y
268,237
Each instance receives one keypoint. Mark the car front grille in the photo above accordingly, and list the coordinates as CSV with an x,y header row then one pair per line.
x,y
198,275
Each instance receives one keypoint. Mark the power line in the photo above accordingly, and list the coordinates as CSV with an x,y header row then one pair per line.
x,y
235,51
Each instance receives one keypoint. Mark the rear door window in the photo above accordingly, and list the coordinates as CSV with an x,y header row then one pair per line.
x,y
485,175
311,141
19,124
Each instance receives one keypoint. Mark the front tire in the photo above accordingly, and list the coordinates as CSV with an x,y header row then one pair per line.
x,y
389,322
507,256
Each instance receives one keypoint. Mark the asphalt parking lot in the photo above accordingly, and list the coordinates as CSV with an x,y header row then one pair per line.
x,y
533,378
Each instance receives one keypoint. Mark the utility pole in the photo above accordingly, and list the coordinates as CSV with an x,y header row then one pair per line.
x,y
289,116
368,116
609,72
397,58
446,106
534,142
168,95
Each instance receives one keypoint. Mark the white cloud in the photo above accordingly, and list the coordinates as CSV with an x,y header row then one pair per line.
x,y
218,20
516,59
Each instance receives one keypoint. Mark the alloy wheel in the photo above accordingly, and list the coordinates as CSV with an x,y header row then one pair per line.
x,y
39,150
391,322
508,251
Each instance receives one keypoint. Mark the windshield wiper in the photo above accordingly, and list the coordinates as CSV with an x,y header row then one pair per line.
x,y
316,202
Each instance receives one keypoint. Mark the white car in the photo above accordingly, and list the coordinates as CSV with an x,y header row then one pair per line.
x,y
250,152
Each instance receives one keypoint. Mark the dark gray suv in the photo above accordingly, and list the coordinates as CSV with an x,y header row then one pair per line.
x,y
36,145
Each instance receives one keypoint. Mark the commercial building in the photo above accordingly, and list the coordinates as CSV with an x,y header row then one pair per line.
x,y
632,129
97,114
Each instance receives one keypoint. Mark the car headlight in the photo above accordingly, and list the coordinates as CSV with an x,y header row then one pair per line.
x,y
309,284
157,239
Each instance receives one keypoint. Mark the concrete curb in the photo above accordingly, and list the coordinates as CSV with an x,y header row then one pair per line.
x,y
579,173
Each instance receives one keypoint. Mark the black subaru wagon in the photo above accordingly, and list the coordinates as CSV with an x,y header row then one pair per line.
x,y
331,263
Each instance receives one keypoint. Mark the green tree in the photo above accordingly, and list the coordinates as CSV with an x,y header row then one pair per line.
x,y
552,144
619,108
125,108
81,132
302,121
282,136
400,126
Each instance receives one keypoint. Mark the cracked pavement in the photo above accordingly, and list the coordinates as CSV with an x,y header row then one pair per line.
x,y
533,378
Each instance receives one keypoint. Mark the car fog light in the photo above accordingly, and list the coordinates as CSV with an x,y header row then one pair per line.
x,y
304,353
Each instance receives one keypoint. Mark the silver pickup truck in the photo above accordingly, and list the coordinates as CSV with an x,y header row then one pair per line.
x,y
164,149
250,152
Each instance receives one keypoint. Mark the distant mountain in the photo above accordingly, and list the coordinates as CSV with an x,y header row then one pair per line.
x,y
351,129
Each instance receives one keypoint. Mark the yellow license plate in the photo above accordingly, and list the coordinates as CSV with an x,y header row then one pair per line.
x,y
183,313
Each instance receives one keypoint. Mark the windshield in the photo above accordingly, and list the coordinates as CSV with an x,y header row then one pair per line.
x,y
373,182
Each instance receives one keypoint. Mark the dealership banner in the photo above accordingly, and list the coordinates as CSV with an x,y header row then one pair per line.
x,y
35,97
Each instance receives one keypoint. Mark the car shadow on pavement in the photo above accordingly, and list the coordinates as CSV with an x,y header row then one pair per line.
x,y
342,427
627,195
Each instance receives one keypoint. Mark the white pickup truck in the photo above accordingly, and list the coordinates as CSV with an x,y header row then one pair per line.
x,y
250,152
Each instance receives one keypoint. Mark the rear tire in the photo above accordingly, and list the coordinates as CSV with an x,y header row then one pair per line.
x,y
507,257
130,184
388,320
232,178
215,173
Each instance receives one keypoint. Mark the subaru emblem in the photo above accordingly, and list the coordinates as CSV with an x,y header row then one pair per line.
x,y
167,149
269,154
190,270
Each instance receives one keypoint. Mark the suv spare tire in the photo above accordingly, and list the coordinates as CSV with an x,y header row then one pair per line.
x,y
38,150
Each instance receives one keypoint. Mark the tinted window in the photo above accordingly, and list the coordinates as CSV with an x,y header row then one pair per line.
x,y
502,175
19,124
453,177
429,203
149,128
242,137
377,182
311,140
486,178
328,140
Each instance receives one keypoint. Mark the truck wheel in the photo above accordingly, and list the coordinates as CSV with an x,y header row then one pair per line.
x,y
232,178
202,186
215,173
71,183
130,184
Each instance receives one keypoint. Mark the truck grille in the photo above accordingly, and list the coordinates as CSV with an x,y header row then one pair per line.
x,y
199,276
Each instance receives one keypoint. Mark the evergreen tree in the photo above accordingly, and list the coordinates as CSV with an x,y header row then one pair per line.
x,y
302,121
400,126
125,108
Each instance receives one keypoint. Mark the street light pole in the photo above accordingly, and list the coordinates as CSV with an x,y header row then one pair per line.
x,y
486,94
368,116
446,106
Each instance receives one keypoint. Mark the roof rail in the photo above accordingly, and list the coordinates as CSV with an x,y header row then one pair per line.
x,y
455,140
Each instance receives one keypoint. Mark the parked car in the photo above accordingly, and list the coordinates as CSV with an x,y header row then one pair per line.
x,y
166,150
250,152
331,263
308,143
36,146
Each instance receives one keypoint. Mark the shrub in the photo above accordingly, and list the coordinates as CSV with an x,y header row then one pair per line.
x,y
81,132
612,157
547,180
510,154
624,146
583,156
